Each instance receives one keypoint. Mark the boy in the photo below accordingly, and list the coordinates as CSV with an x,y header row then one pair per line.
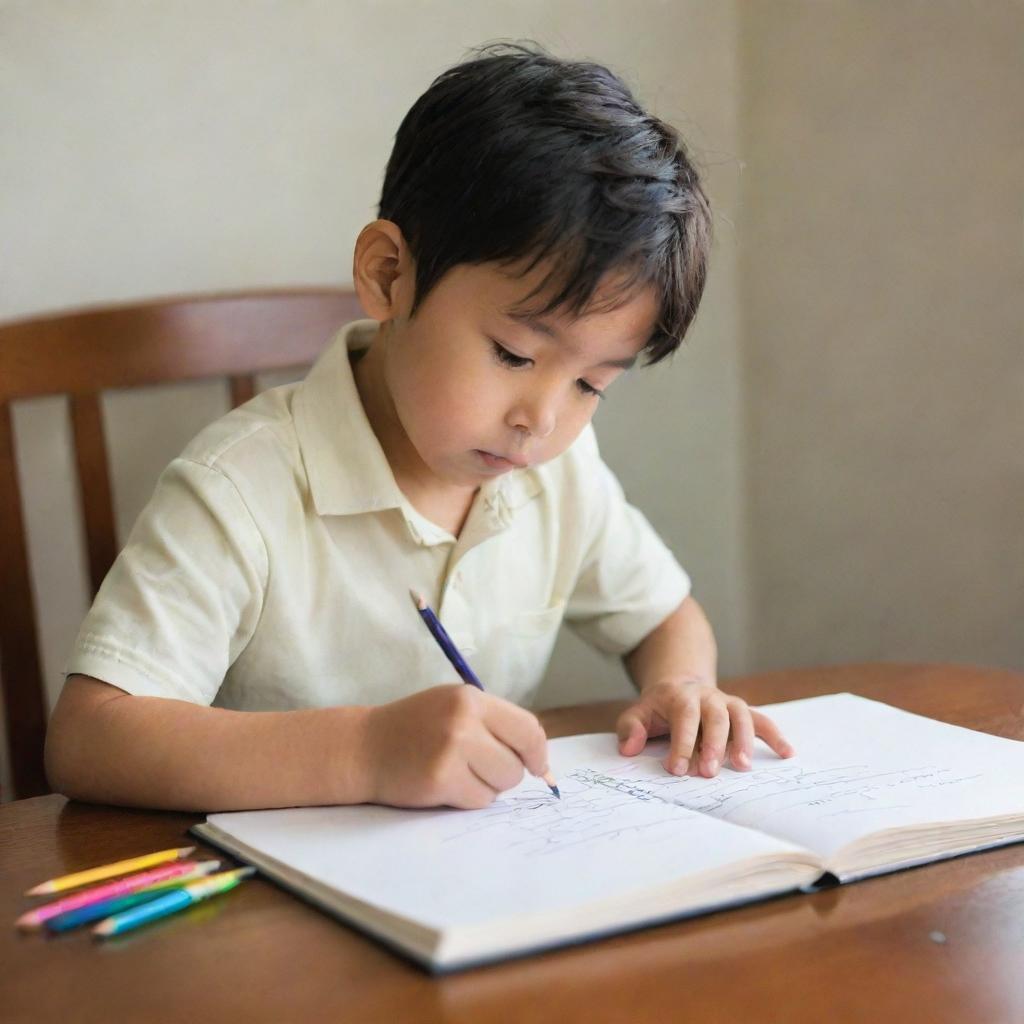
x,y
537,234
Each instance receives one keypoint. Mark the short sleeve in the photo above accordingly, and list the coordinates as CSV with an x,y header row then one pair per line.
x,y
184,596
629,581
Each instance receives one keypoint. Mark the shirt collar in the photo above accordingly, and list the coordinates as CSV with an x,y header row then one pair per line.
x,y
347,469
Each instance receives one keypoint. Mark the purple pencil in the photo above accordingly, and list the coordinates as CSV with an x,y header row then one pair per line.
x,y
459,663
445,642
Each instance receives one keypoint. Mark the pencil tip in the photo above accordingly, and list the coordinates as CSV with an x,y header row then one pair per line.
x,y
39,890
418,598
549,778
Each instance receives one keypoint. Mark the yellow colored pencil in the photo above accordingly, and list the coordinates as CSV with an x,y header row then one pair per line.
x,y
121,867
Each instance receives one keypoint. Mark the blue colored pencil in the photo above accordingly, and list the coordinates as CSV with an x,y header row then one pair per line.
x,y
459,663
445,642
171,902
105,908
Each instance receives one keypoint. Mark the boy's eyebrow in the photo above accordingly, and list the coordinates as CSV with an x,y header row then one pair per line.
x,y
533,322
539,326
625,364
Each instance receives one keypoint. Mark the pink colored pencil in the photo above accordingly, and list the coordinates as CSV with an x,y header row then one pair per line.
x,y
122,887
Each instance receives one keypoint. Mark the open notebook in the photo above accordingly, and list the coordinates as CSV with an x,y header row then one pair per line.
x,y
872,789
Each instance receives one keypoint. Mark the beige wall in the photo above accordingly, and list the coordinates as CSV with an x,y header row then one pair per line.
x,y
883,329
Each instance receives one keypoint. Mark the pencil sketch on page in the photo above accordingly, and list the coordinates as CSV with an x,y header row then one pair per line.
x,y
768,791
597,807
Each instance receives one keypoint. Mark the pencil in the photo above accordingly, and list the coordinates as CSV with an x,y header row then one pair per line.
x,y
172,902
459,663
121,887
98,911
107,908
121,867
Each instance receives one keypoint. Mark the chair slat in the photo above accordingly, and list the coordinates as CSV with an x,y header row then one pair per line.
x,y
22,680
242,389
94,486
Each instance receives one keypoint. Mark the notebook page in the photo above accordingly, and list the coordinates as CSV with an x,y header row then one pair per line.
x,y
529,852
861,767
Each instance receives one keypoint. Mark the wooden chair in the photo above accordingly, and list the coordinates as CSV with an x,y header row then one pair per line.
x,y
83,353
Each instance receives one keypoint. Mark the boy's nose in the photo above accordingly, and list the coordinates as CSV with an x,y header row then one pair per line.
x,y
536,413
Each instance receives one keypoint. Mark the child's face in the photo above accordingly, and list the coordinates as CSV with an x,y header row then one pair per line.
x,y
477,393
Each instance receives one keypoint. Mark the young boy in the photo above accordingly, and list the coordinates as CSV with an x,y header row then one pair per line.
x,y
538,233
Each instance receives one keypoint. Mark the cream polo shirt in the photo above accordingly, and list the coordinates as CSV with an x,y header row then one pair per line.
x,y
271,568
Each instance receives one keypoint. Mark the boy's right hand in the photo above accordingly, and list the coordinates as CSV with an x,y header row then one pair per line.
x,y
450,745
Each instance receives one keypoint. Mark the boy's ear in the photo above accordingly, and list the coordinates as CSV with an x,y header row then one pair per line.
x,y
383,271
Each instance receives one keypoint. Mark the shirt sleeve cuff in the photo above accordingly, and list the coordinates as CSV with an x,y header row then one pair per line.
x,y
618,632
130,673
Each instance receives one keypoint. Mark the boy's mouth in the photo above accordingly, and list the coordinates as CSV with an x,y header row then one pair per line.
x,y
501,462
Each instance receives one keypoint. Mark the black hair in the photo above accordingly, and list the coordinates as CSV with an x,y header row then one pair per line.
x,y
518,154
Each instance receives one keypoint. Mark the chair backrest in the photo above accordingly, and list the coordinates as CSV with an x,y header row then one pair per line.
x,y
81,354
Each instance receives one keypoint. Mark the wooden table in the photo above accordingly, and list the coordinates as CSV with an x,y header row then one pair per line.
x,y
940,943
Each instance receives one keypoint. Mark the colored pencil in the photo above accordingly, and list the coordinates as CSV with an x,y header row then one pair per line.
x,y
98,911
121,867
122,887
459,663
107,908
445,642
171,902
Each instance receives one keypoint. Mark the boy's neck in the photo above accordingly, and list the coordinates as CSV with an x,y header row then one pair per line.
x,y
448,507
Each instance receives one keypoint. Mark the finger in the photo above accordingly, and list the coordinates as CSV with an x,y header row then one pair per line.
x,y
494,763
741,735
767,730
632,728
519,730
473,793
685,727
715,722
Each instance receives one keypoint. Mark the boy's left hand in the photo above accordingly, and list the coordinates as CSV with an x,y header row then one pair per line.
x,y
705,725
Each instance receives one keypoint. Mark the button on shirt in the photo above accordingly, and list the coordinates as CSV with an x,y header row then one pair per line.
x,y
271,568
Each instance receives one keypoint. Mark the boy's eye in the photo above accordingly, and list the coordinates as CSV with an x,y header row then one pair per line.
x,y
507,358
510,359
